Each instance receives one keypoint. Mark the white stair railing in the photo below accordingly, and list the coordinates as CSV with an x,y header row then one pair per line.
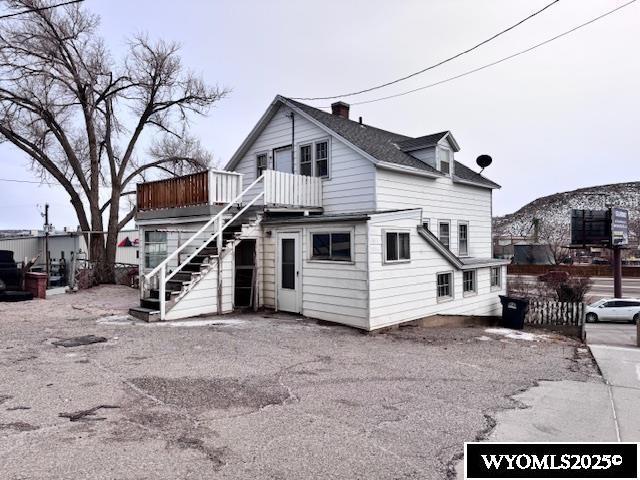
x,y
161,269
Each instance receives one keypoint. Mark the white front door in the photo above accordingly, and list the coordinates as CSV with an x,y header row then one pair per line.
x,y
288,281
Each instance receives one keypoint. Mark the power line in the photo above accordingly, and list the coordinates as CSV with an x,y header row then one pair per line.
x,y
40,9
469,72
431,67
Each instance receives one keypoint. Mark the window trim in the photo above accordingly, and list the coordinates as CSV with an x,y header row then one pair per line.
x,y
266,161
450,155
448,222
397,231
315,159
463,222
329,231
450,297
313,143
470,293
499,285
311,163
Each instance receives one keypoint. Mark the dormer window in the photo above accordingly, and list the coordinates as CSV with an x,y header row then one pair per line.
x,y
444,160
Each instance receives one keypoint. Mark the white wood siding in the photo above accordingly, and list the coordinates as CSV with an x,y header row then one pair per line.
x,y
332,291
401,292
440,199
350,186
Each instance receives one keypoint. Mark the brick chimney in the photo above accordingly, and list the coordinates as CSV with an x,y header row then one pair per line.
x,y
340,109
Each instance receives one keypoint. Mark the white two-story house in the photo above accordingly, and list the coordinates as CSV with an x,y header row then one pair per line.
x,y
324,216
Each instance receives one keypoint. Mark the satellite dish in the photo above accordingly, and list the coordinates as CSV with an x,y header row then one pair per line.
x,y
484,161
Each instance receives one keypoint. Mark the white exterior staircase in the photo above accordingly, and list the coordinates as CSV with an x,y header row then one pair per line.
x,y
202,281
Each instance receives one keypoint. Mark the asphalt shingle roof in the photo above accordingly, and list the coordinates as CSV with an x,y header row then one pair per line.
x,y
421,142
387,146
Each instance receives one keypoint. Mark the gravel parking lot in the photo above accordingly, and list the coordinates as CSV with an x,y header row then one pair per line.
x,y
252,396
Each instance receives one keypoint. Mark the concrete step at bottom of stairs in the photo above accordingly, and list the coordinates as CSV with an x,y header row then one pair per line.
x,y
145,314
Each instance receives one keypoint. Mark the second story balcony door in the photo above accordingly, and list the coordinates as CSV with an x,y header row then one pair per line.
x,y
282,161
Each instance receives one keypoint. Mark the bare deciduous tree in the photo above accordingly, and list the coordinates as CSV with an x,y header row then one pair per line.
x,y
82,117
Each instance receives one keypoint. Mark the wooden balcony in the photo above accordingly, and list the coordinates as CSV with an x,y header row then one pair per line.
x,y
214,188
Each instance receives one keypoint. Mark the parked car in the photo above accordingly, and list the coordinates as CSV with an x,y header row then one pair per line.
x,y
615,309
554,276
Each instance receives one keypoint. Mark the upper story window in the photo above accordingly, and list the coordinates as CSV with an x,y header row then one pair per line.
x,y
444,233
155,248
444,156
306,164
261,163
314,159
334,246
322,159
397,246
463,238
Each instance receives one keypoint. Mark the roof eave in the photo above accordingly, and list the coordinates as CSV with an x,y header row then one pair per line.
x,y
406,169
491,185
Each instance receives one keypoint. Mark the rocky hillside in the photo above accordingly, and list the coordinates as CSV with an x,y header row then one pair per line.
x,y
554,211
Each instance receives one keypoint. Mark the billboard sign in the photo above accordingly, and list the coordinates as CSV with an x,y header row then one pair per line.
x,y
590,228
619,227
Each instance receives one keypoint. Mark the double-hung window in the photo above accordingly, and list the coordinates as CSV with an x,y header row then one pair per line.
x,y
463,239
334,246
443,233
261,164
496,277
306,162
445,160
398,247
469,281
314,159
155,248
322,159
444,285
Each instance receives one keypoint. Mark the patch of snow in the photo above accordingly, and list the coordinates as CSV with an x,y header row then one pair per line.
x,y
516,334
484,338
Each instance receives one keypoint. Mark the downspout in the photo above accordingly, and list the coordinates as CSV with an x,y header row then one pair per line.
x,y
293,136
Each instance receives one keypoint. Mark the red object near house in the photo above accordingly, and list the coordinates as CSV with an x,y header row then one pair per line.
x,y
36,284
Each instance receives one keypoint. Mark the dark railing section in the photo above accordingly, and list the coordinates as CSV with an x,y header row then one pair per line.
x,y
184,191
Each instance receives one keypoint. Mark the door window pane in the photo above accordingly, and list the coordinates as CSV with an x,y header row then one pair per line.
x,y
288,263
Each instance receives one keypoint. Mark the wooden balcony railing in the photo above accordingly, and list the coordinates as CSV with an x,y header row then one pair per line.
x,y
184,191
215,187
289,190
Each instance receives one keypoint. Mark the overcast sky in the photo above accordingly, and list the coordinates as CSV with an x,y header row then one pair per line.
x,y
561,117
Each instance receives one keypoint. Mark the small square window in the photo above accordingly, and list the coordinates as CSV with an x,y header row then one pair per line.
x,y
398,246
444,286
469,281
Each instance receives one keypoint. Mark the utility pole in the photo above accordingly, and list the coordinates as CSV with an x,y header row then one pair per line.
x,y
46,240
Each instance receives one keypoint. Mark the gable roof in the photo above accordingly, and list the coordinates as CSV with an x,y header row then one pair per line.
x,y
379,146
427,141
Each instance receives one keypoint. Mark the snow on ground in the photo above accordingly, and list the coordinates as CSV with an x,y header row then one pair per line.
x,y
516,334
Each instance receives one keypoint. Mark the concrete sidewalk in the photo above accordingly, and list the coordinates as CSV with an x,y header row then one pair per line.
x,y
620,367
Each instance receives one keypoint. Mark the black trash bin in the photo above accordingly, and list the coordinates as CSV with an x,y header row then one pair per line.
x,y
513,312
